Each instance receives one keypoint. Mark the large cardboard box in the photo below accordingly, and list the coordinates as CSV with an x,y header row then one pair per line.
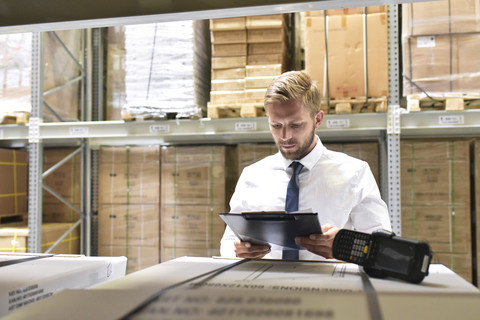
x,y
136,224
185,226
441,63
27,282
346,54
56,211
193,175
14,238
366,151
238,23
138,257
229,50
229,62
14,185
226,37
441,17
435,172
129,175
266,21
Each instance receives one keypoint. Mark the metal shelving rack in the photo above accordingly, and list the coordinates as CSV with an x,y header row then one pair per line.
x,y
385,128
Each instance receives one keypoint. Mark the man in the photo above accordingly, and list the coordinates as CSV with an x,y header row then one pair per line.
x,y
341,189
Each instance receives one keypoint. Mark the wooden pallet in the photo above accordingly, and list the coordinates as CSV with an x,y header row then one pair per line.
x,y
355,105
240,110
14,118
447,102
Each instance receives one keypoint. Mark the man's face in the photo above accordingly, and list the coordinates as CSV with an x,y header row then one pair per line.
x,y
293,128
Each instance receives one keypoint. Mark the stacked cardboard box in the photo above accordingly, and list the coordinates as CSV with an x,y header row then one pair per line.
x,y
14,238
157,70
247,54
476,198
193,194
441,42
435,197
366,151
13,189
129,198
65,181
356,52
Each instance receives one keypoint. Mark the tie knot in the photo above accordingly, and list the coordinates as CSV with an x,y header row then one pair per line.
x,y
297,167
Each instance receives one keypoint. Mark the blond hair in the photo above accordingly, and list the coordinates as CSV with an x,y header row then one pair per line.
x,y
294,85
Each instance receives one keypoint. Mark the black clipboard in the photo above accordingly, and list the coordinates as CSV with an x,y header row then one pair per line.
x,y
278,228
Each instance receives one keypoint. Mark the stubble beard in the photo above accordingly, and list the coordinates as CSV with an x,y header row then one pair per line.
x,y
300,152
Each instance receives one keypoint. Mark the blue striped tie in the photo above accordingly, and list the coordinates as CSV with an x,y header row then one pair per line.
x,y
291,204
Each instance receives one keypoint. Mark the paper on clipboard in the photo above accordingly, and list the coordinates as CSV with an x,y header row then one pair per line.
x,y
273,227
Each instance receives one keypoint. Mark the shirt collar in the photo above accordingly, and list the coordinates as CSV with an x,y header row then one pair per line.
x,y
311,158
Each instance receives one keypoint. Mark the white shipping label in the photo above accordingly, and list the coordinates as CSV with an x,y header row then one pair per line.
x,y
78,131
452,119
338,123
245,126
159,128
426,42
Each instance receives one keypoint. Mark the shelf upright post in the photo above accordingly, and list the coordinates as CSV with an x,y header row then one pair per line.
x,y
35,148
393,122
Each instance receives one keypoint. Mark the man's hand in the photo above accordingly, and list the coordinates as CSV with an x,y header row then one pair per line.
x,y
248,250
320,244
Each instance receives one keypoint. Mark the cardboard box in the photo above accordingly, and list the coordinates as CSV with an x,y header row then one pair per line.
x,y
193,175
138,257
229,50
435,173
345,61
185,226
219,97
266,48
14,238
446,229
169,253
229,62
264,70
228,74
265,35
367,151
237,23
255,95
136,224
28,282
266,59
266,21
129,175
441,17
228,85
14,185
59,212
476,156
440,64
66,179
258,82
226,37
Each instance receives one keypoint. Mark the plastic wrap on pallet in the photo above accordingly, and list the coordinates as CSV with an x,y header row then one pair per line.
x,y
15,66
155,69
441,42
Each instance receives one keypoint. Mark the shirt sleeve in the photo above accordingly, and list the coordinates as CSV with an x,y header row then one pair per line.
x,y
371,212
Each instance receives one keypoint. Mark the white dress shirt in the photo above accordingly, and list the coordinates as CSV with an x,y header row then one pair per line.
x,y
340,188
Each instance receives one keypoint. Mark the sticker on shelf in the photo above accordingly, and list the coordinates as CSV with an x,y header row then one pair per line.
x,y
338,123
451,119
78,131
159,128
245,126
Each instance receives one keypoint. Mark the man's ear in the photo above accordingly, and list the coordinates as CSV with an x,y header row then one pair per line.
x,y
318,119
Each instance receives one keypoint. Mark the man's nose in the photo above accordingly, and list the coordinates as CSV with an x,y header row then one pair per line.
x,y
286,133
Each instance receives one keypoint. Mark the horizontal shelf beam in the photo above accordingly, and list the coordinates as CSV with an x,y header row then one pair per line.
x,y
51,15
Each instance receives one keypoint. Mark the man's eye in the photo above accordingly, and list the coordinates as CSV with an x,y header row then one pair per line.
x,y
296,126
276,126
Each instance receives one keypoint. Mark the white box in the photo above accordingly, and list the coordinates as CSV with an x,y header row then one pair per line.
x,y
30,281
